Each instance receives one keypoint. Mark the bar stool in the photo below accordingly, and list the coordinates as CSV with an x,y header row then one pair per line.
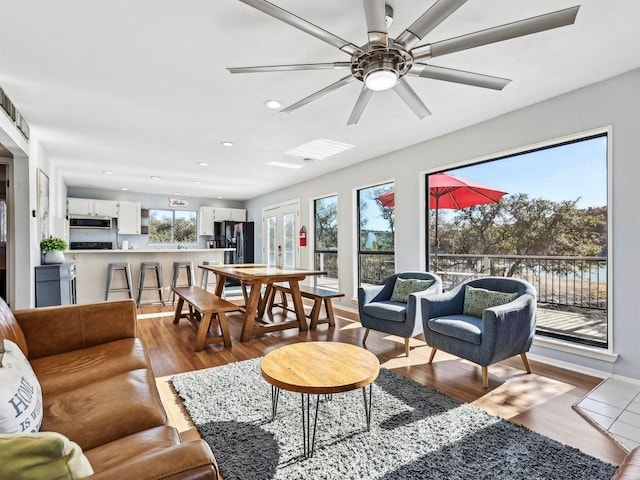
x,y
204,280
113,267
191,279
157,267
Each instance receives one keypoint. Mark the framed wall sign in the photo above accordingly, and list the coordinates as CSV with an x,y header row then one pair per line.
x,y
43,204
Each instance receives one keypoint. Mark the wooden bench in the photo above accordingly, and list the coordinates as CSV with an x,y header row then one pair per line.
x,y
317,294
203,306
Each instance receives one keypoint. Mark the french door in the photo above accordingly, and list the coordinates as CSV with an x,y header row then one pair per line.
x,y
280,225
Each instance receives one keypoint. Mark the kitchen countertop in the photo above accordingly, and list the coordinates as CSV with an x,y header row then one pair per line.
x,y
154,250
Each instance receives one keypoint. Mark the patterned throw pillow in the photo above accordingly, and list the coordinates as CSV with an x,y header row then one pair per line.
x,y
406,286
35,456
20,393
477,300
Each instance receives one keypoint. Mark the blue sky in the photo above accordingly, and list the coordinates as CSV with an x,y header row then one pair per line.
x,y
568,172
576,170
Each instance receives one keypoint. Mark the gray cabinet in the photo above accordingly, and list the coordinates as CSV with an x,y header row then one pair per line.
x,y
55,284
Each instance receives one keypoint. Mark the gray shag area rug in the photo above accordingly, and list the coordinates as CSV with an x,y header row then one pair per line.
x,y
416,433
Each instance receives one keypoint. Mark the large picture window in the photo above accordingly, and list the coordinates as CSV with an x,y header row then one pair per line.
x,y
376,245
173,226
548,226
325,212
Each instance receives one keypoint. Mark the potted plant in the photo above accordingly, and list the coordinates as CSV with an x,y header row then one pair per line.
x,y
53,249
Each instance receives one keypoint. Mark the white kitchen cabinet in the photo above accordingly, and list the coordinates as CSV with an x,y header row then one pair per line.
x,y
79,206
238,215
222,214
105,208
129,218
90,206
205,222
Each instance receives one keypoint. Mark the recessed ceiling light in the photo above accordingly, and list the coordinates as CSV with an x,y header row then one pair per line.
x,y
196,181
107,172
153,177
177,193
285,165
203,164
273,104
220,197
226,144
124,188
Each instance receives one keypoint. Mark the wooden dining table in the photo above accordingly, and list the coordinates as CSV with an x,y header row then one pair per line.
x,y
253,277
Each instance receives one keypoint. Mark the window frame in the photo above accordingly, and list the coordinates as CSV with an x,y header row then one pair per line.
x,y
173,223
556,342
316,250
363,253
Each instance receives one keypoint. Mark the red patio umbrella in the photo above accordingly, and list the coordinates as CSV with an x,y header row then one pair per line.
x,y
387,199
451,192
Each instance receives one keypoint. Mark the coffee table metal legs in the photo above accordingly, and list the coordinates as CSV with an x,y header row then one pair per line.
x,y
309,435
367,405
308,438
275,394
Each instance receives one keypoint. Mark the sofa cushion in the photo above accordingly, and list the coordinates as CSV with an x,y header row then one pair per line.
x,y
477,300
463,327
10,329
20,392
73,369
387,310
112,454
44,455
403,287
102,411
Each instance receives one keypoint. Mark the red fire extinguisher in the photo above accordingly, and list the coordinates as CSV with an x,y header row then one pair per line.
x,y
303,236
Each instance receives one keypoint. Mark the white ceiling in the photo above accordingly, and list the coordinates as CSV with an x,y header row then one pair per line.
x,y
140,88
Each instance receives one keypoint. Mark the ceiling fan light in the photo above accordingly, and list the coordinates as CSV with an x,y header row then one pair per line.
x,y
379,80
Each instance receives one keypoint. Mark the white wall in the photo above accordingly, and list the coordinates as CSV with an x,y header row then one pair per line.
x,y
615,102
22,249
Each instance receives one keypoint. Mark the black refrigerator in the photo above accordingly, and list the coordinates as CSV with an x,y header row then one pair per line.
x,y
240,237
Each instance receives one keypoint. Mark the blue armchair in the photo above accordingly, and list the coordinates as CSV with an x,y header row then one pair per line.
x,y
379,312
482,335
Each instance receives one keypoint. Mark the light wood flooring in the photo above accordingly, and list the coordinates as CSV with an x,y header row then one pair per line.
x,y
541,401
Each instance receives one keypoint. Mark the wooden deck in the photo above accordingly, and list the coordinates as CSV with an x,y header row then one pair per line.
x,y
589,325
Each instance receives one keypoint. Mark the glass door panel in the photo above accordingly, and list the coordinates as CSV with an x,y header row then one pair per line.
x,y
270,238
289,240
280,242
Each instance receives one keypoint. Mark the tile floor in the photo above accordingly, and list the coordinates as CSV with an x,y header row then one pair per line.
x,y
614,406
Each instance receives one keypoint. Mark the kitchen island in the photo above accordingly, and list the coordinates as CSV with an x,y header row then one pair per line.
x,y
91,269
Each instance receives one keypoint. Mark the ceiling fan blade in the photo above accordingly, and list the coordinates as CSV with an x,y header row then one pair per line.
x,y
429,20
363,99
286,68
301,24
374,12
458,76
314,96
408,96
520,28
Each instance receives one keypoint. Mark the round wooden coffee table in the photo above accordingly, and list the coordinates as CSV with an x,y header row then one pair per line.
x,y
319,368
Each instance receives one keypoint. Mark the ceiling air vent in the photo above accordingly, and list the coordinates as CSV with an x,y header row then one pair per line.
x,y
319,149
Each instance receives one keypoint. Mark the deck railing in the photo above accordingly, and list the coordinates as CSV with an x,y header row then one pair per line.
x,y
565,281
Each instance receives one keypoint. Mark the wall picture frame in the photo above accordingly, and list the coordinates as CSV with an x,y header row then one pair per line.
x,y
43,204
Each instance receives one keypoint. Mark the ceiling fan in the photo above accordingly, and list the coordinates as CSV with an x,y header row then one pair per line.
x,y
383,62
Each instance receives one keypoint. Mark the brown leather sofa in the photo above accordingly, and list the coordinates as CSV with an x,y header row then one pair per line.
x,y
630,468
100,392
